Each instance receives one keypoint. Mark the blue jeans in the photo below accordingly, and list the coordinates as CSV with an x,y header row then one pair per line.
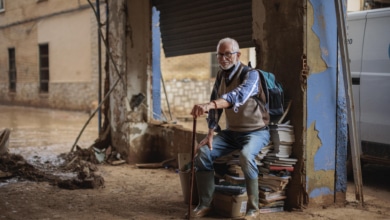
x,y
225,142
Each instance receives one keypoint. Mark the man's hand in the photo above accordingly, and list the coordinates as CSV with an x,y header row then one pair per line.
x,y
208,140
200,109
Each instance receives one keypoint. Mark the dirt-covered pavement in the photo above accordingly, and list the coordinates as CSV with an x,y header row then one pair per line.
x,y
40,136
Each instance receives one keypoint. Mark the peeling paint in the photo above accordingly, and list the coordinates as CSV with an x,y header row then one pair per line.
x,y
314,49
321,101
316,179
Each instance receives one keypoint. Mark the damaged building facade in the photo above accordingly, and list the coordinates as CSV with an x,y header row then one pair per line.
x,y
296,40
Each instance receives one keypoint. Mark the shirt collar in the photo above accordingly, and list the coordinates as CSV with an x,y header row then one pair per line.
x,y
231,70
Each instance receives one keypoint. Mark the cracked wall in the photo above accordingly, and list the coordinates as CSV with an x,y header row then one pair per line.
x,y
322,97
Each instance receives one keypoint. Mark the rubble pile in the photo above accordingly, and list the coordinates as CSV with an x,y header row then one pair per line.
x,y
79,163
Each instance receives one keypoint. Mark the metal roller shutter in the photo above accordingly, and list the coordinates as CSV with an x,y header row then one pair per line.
x,y
196,26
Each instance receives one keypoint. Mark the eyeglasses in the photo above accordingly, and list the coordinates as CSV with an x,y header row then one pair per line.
x,y
226,55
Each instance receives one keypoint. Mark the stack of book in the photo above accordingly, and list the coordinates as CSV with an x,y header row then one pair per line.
x,y
276,168
274,163
282,138
272,191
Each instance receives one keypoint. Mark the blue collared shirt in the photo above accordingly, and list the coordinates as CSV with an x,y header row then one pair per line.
x,y
237,97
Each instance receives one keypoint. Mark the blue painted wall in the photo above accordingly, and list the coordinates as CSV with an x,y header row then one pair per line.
x,y
323,110
156,68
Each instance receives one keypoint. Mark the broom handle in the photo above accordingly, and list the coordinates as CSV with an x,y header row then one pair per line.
x,y
192,167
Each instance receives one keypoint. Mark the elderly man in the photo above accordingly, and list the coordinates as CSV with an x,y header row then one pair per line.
x,y
246,127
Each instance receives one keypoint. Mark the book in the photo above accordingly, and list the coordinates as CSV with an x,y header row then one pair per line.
x,y
274,167
263,170
265,189
273,184
285,126
282,134
288,159
277,203
271,195
271,209
276,163
283,154
234,179
275,177
282,147
266,201
279,161
273,181
282,137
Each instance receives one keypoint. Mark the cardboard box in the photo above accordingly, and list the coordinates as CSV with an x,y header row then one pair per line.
x,y
230,206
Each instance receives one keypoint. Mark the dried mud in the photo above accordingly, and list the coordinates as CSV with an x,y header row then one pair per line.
x,y
15,166
39,162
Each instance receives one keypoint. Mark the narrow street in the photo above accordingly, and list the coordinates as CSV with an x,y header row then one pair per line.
x,y
39,135
46,133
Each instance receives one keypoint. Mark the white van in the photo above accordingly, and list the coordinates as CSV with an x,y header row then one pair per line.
x,y
369,52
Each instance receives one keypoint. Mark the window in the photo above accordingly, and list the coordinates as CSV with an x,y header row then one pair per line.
x,y
2,8
44,68
12,69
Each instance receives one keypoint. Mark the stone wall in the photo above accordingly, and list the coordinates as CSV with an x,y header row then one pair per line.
x,y
183,94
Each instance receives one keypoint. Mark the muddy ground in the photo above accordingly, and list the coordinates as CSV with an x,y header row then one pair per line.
x,y
127,192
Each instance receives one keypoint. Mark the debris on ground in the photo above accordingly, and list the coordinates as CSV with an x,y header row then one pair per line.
x,y
79,163
4,140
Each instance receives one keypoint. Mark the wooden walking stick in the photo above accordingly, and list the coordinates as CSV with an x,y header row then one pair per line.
x,y
192,167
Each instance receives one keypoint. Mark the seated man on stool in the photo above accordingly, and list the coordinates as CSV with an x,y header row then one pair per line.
x,y
246,127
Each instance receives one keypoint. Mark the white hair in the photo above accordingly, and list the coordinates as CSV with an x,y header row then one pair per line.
x,y
233,42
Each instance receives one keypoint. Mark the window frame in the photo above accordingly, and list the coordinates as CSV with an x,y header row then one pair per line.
x,y
44,68
12,73
2,6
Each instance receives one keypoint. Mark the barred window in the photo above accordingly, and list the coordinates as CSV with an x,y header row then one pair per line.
x,y
2,8
12,69
44,68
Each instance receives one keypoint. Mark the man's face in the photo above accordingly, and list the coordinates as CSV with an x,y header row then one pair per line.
x,y
226,56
